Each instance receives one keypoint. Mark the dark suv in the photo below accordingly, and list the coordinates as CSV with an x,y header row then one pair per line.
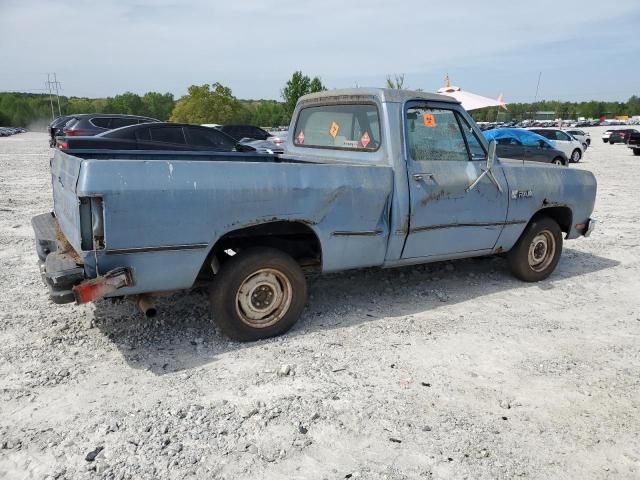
x,y
94,123
620,136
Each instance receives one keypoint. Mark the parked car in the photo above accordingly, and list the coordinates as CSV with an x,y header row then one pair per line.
x,y
523,144
571,147
8,131
244,131
605,136
56,126
620,136
370,178
93,124
582,136
634,142
274,144
156,136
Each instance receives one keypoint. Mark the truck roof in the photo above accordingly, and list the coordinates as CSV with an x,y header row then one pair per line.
x,y
387,95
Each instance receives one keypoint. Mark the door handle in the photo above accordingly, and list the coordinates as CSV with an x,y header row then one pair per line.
x,y
418,177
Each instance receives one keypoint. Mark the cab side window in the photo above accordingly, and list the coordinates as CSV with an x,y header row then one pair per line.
x,y
475,147
435,135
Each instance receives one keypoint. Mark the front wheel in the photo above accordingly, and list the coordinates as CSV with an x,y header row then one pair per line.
x,y
258,293
536,254
576,156
636,151
558,161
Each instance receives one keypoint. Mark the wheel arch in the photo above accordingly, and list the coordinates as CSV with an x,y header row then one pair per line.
x,y
295,238
562,214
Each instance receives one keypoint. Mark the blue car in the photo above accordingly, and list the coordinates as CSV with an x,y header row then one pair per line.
x,y
523,144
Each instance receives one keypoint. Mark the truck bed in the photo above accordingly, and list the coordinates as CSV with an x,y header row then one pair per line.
x,y
169,208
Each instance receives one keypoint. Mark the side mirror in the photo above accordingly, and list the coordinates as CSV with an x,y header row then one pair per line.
x,y
491,156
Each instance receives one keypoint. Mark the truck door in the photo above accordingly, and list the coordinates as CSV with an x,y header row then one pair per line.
x,y
444,157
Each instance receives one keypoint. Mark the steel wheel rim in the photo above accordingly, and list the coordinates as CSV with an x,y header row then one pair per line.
x,y
264,297
542,251
558,162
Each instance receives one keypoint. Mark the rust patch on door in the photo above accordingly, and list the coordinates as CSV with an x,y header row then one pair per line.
x,y
434,197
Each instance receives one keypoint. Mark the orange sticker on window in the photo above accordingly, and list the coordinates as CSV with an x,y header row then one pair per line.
x,y
429,120
333,129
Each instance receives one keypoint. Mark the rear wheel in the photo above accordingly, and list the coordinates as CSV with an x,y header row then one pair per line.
x,y
258,293
636,151
536,254
558,161
576,156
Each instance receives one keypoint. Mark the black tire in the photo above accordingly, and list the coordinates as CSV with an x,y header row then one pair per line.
x,y
575,158
273,280
605,141
558,161
527,251
636,151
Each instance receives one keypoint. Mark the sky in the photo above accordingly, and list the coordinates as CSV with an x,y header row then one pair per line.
x,y
583,49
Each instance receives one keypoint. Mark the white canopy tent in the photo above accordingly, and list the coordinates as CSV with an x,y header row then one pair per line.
x,y
470,101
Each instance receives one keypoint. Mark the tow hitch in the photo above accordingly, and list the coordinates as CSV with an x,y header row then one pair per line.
x,y
96,288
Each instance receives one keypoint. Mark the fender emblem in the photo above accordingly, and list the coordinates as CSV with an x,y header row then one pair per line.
x,y
515,194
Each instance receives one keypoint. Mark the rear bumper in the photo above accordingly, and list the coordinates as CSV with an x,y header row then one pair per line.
x,y
61,269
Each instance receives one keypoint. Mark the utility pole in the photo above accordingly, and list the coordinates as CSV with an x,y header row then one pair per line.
x,y
57,85
54,85
535,99
53,115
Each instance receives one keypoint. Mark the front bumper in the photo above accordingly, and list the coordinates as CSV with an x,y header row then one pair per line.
x,y
63,271
591,225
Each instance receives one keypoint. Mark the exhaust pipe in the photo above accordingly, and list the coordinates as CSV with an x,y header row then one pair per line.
x,y
146,306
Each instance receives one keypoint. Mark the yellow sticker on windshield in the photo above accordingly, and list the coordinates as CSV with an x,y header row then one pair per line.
x,y
333,129
429,120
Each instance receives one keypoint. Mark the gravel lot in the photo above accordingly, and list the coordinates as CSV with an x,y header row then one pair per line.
x,y
453,370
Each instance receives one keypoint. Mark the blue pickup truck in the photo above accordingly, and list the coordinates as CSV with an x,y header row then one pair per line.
x,y
369,178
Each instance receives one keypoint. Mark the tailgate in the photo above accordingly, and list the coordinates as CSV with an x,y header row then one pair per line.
x,y
65,170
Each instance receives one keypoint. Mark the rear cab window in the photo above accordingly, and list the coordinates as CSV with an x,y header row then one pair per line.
x,y
339,127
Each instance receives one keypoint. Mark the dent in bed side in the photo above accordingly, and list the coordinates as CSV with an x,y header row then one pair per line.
x,y
157,216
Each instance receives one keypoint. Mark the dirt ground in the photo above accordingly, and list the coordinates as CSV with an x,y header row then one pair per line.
x,y
452,370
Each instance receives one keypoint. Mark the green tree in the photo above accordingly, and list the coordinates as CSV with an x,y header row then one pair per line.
x,y
126,103
297,86
158,105
206,104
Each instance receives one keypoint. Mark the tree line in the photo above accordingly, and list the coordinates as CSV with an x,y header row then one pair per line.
x,y
563,110
215,103
209,103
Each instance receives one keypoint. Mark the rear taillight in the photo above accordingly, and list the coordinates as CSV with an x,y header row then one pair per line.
x,y
62,145
73,133
96,288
